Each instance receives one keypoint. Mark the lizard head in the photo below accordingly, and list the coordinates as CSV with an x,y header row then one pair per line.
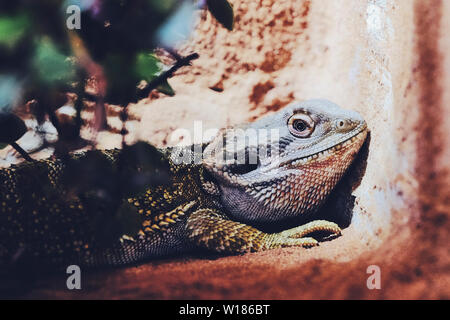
x,y
285,164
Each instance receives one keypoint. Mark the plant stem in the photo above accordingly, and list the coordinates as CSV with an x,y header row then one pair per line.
x,y
181,62
22,152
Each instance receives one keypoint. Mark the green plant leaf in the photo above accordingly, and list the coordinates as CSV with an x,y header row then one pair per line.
x,y
166,88
222,10
12,29
51,65
163,6
148,66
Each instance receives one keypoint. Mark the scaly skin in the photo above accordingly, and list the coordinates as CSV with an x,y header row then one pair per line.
x,y
211,204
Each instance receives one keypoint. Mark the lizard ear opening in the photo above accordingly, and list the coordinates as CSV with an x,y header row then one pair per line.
x,y
247,162
242,168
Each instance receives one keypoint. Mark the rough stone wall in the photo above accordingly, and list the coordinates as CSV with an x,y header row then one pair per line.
x,y
387,59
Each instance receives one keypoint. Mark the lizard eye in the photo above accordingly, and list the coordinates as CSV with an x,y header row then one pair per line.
x,y
301,125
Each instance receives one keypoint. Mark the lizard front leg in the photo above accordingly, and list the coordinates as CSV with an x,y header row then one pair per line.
x,y
209,229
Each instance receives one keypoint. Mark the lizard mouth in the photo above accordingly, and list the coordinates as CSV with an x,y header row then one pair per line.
x,y
357,136
231,171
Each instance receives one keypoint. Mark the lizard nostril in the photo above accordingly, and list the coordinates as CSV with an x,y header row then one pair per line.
x,y
243,168
345,125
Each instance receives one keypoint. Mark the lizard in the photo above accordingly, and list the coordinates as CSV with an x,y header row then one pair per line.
x,y
218,200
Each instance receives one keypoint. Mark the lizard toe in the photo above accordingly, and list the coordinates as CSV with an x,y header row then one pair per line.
x,y
306,242
313,226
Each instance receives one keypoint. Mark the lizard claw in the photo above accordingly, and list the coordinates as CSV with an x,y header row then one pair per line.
x,y
295,237
306,242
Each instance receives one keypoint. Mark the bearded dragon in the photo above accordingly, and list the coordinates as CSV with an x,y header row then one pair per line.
x,y
219,196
